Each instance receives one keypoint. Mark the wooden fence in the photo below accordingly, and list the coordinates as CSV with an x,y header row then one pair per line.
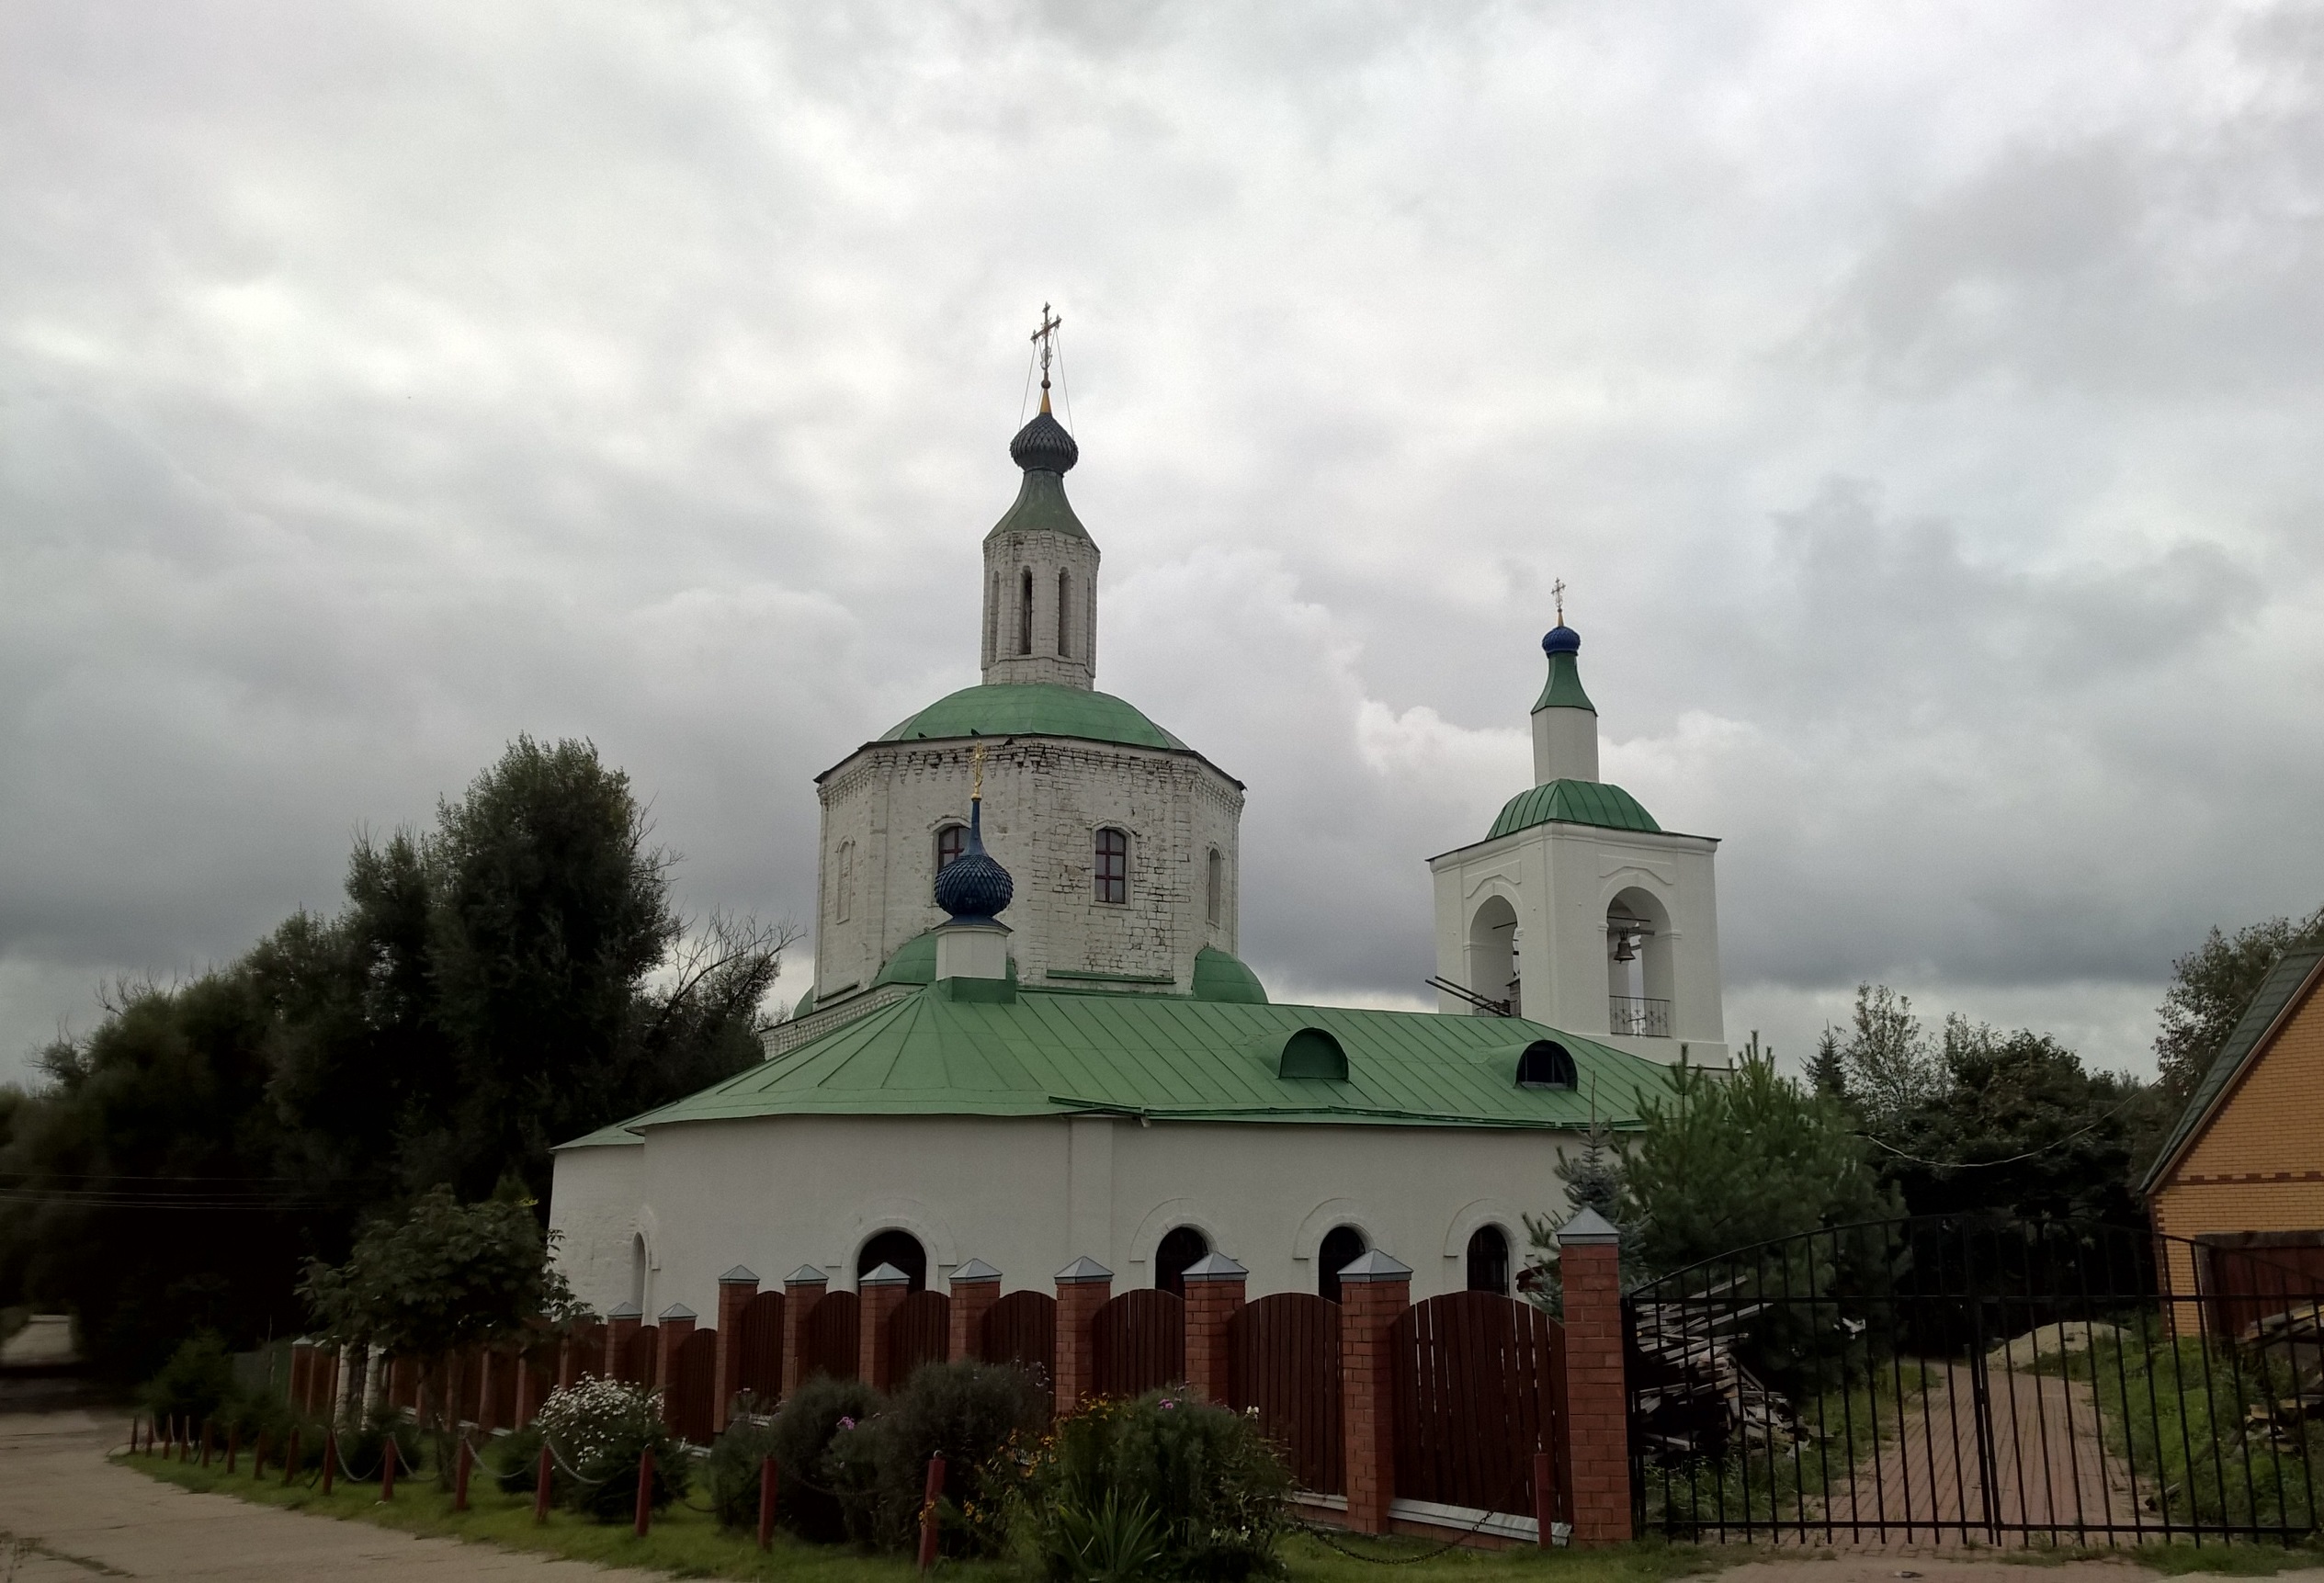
x,y
690,1407
758,1356
828,1342
1479,1384
1138,1343
918,1332
1283,1358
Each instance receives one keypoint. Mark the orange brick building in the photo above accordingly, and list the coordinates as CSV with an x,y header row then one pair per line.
x,y
2248,1155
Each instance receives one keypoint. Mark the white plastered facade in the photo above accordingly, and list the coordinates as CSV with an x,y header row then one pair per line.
x,y
1030,1195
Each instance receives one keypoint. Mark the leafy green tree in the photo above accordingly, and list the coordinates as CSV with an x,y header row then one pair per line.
x,y
146,1201
2210,986
1889,1063
445,1277
1827,1071
2020,1127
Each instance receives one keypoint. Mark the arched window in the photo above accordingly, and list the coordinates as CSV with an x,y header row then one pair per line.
x,y
638,1272
1180,1249
845,887
901,1248
1546,1064
1488,1260
1113,865
1025,612
952,842
1343,1246
1215,887
1064,611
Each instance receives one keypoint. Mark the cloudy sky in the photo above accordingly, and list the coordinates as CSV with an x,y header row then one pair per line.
x,y
1922,403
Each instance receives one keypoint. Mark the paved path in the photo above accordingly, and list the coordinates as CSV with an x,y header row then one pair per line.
x,y
85,1520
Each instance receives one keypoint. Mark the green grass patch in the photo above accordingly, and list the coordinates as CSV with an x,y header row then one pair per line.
x,y
689,1544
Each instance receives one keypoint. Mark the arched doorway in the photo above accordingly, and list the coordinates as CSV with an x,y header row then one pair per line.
x,y
1493,953
1488,1260
901,1248
1180,1249
1341,1245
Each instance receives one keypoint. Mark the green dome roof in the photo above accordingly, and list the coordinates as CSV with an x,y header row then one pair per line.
x,y
1219,977
1573,802
1041,506
1034,709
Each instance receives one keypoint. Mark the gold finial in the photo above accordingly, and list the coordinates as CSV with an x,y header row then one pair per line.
x,y
1557,592
975,773
1046,335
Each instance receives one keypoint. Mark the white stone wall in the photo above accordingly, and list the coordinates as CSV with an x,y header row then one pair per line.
x,y
1045,799
1561,880
1031,1195
1007,557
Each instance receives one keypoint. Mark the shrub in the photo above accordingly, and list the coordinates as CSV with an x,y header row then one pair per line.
x,y
1195,1486
817,1412
966,1412
360,1448
732,1470
598,1430
197,1383
515,1459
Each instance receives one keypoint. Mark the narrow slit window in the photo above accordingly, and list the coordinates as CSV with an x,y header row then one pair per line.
x,y
1214,887
1025,612
845,890
1064,614
1113,865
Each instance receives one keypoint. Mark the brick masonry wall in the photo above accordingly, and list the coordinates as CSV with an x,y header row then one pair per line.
x,y
2260,1165
1045,798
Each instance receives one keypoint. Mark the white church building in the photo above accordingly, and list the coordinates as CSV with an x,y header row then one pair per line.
x,y
1032,1039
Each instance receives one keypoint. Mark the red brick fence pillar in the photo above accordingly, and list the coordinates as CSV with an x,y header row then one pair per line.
x,y
878,1292
802,1289
1597,1399
736,1288
1374,1291
976,1286
1082,1288
1213,1295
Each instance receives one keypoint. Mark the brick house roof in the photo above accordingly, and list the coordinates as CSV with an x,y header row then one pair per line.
x,y
2279,996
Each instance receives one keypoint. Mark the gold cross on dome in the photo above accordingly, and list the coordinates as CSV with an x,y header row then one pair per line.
x,y
975,773
1557,592
1047,336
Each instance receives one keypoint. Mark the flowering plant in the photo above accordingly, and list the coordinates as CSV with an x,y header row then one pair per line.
x,y
597,1432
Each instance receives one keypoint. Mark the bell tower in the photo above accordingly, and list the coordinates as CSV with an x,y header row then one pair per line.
x,y
1040,564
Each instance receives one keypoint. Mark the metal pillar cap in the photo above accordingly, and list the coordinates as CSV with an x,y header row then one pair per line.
x,y
805,1275
884,1275
1588,1228
678,1311
1216,1267
1376,1266
975,1270
625,1311
738,1276
1083,1270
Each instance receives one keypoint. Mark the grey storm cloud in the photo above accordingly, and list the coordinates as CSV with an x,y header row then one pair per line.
x,y
1919,403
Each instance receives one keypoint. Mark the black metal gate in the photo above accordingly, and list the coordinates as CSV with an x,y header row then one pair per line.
x,y
1959,1378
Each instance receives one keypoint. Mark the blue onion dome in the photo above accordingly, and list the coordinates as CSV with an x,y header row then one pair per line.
x,y
1561,639
972,887
1043,446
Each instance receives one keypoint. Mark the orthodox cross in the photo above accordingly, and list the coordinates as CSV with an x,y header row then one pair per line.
x,y
1557,592
1047,336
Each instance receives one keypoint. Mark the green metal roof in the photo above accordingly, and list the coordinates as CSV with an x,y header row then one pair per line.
x,y
614,1136
2276,992
1171,1057
1040,507
1563,688
1219,977
1035,710
1573,802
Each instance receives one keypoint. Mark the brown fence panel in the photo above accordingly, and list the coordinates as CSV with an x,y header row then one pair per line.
x,y
1478,1385
635,1366
589,1353
1283,1358
1138,1342
502,1388
918,1332
828,1341
693,1387
2253,1275
758,1357
1021,1329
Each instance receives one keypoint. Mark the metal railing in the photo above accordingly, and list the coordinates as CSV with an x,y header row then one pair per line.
x,y
1639,1016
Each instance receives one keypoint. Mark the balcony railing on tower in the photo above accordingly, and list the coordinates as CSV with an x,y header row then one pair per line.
x,y
1638,1017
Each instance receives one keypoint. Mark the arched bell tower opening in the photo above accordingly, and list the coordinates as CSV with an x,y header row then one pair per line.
x,y
1637,978
1493,953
